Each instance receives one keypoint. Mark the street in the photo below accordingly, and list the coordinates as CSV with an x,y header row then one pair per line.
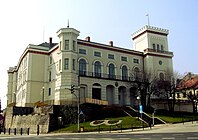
x,y
188,131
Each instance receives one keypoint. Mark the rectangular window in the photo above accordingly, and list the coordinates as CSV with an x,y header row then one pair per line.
x,y
110,56
158,48
98,54
154,47
49,92
162,48
50,76
60,44
50,59
82,51
66,64
66,44
136,61
60,64
123,58
74,45
73,64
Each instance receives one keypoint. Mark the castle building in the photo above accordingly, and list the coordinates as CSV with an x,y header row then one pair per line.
x,y
99,73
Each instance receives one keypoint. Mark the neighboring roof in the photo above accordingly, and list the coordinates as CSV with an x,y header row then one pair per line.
x,y
190,83
47,45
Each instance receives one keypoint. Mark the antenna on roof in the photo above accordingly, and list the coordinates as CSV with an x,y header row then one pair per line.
x,y
68,23
148,19
43,33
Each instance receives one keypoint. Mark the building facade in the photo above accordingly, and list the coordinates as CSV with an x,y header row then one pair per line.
x,y
100,73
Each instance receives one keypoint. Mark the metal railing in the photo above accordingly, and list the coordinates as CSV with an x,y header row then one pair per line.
x,y
158,51
107,76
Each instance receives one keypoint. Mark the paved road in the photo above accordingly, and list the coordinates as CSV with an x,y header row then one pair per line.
x,y
188,131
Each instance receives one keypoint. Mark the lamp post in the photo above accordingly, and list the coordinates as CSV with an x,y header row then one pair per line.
x,y
43,94
140,108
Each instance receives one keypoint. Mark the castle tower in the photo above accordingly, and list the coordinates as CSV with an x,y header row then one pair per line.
x,y
67,61
153,42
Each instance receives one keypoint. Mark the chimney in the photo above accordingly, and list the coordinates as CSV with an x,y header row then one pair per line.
x,y
111,43
50,42
87,38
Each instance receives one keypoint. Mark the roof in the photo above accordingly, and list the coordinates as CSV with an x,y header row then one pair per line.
x,y
191,83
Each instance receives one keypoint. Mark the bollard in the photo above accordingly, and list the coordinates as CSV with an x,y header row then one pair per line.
x,y
28,131
37,129
9,131
132,127
14,131
110,129
21,131
4,130
121,127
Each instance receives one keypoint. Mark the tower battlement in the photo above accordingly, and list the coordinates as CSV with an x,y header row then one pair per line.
x,y
150,29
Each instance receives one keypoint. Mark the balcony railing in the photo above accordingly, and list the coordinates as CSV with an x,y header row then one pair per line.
x,y
108,76
158,51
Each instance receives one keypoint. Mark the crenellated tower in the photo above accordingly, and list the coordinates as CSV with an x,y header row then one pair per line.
x,y
67,64
153,42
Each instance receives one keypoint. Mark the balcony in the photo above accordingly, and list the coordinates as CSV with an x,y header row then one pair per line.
x,y
157,51
108,76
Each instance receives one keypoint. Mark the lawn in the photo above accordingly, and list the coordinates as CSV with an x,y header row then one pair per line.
x,y
127,123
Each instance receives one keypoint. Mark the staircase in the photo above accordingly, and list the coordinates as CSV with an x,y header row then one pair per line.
x,y
145,117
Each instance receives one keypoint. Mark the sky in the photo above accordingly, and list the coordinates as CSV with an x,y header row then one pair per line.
x,y
26,22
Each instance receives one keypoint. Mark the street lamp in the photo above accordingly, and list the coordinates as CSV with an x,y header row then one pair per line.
x,y
140,108
43,94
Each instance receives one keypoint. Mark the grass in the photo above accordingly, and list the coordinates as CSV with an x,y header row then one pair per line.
x,y
127,123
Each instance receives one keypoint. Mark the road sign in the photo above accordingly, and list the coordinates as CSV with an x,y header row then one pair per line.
x,y
140,109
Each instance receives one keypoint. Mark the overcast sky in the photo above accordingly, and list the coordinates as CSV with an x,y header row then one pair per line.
x,y
23,22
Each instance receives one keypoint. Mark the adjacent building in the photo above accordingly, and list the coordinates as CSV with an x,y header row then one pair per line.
x,y
99,73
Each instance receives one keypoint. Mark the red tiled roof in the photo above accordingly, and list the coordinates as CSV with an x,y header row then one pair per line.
x,y
190,83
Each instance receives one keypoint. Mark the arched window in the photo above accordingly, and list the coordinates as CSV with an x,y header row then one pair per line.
x,y
161,76
97,69
111,71
82,67
124,73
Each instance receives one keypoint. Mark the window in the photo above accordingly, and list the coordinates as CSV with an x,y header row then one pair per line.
x,y
111,71
73,64
124,73
49,92
161,76
162,48
60,44
74,45
98,54
154,47
82,51
60,64
66,64
66,44
50,59
50,75
136,60
82,67
158,48
110,56
123,58
97,69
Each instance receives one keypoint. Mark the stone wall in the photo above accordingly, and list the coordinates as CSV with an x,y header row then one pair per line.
x,y
41,119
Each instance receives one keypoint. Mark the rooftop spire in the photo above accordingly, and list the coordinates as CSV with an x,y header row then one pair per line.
x,y
68,23
148,19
